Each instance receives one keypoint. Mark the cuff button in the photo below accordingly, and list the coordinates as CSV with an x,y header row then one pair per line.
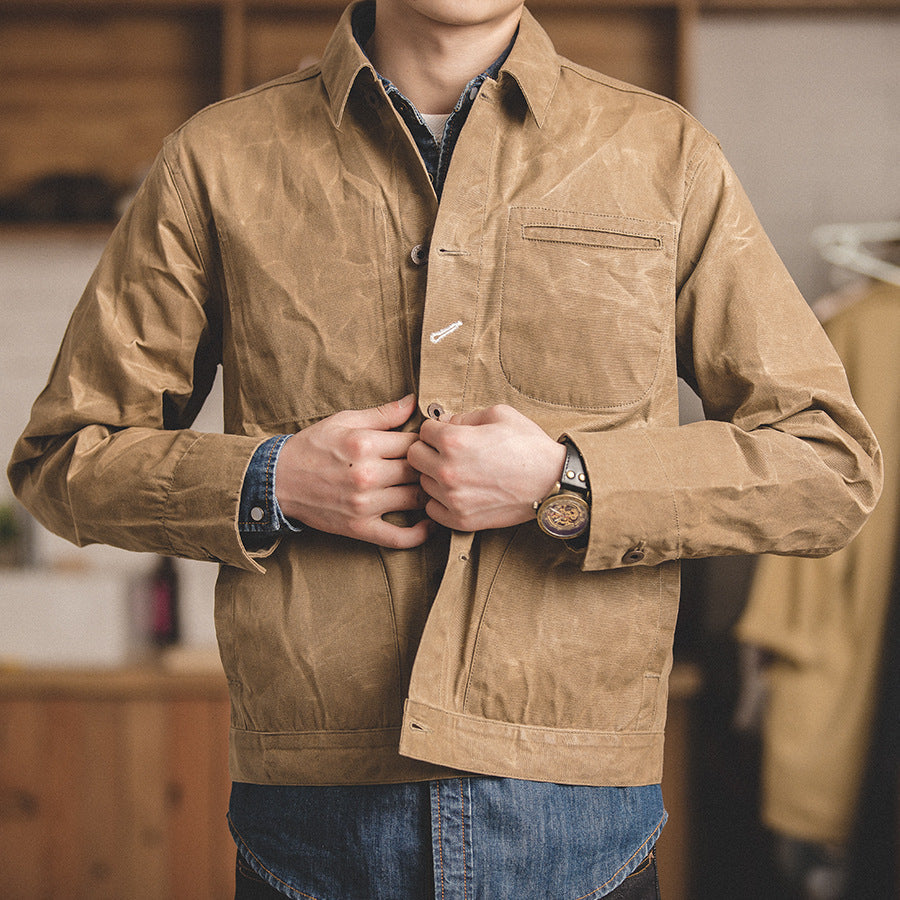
x,y
635,555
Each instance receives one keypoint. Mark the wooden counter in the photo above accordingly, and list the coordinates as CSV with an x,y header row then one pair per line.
x,y
115,785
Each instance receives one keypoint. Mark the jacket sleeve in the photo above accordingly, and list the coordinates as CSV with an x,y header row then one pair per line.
x,y
784,462
108,455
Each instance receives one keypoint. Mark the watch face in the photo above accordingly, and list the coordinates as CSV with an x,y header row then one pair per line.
x,y
563,515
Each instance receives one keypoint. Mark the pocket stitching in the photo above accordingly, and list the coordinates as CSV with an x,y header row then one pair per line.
x,y
506,374
654,240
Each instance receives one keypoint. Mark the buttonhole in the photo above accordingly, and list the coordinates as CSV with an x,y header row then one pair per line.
x,y
448,251
416,726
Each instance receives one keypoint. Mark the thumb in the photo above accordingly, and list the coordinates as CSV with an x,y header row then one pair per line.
x,y
474,417
386,416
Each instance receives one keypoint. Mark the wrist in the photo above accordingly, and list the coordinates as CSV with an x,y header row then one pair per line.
x,y
565,512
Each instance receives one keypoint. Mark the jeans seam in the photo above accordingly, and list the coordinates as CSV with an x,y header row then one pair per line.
x,y
440,840
267,870
462,822
627,861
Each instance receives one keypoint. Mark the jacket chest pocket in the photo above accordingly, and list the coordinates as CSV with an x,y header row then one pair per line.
x,y
585,305
314,327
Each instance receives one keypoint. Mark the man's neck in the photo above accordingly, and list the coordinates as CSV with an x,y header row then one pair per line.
x,y
430,61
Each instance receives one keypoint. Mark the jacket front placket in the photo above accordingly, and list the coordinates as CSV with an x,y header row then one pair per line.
x,y
459,250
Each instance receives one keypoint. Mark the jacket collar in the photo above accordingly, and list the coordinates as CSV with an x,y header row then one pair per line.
x,y
532,64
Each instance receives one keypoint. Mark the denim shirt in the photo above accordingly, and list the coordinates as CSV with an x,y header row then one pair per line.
x,y
581,841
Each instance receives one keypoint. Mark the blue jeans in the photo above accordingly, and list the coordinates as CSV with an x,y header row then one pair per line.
x,y
474,838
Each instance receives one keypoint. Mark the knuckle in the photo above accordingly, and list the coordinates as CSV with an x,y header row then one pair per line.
x,y
358,445
357,504
445,474
362,478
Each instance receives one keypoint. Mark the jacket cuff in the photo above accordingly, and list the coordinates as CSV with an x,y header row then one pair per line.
x,y
634,518
202,503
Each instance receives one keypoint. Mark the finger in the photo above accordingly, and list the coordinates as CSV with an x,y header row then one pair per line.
x,y
398,537
422,457
402,498
474,417
432,488
435,433
392,444
437,512
384,417
393,472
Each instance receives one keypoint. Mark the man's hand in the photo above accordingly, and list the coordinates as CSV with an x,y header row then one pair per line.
x,y
344,473
486,468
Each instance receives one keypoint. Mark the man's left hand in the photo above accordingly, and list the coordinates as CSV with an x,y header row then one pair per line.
x,y
486,468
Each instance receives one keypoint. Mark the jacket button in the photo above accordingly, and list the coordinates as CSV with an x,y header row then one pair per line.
x,y
635,555
435,410
419,254
257,514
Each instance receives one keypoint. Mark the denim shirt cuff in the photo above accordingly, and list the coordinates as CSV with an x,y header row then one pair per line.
x,y
259,514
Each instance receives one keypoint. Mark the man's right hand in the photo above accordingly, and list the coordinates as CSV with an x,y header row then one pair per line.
x,y
344,473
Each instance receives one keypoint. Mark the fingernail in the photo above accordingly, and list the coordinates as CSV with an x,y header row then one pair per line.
x,y
407,400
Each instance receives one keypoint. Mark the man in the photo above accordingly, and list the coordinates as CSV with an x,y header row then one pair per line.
x,y
447,633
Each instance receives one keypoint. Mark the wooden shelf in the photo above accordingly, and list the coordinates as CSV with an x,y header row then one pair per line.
x,y
93,86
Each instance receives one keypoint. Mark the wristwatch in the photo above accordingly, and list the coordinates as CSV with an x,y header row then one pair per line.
x,y
566,512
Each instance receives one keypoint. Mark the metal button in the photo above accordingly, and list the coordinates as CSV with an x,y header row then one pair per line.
x,y
257,514
419,254
435,410
635,555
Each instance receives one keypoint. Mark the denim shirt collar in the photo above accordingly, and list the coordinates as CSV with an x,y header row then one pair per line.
x,y
436,155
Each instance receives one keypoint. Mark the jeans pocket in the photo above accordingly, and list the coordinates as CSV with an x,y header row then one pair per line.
x,y
641,884
248,885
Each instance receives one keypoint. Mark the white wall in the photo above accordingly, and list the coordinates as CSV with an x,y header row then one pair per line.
x,y
807,108
42,275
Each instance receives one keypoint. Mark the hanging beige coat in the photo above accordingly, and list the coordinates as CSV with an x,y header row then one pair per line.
x,y
823,619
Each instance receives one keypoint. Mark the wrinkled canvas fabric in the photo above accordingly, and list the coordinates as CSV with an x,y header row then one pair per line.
x,y
590,245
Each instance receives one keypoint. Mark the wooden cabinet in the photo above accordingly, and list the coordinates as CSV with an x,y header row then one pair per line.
x,y
115,785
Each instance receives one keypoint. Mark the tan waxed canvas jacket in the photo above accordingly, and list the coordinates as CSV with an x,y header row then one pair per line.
x,y
591,244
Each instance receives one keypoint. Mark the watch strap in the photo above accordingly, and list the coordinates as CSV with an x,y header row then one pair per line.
x,y
574,477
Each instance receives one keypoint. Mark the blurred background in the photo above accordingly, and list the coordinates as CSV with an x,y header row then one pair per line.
x,y
782,755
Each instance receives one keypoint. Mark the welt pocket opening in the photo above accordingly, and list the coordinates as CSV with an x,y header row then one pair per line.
x,y
590,237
